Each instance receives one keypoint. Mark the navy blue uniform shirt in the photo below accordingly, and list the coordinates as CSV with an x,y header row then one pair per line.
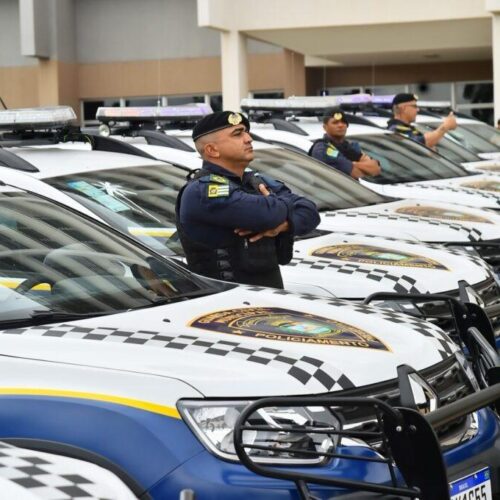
x,y
213,206
406,129
332,153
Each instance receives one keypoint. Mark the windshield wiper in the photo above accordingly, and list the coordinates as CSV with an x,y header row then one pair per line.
x,y
49,316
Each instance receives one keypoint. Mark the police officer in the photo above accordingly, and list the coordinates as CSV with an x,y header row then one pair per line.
x,y
234,224
334,150
404,110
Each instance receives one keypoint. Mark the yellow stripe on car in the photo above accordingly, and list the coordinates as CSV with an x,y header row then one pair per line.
x,y
152,231
169,411
12,283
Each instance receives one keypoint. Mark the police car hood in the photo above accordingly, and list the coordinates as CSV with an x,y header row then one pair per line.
x,y
354,266
480,190
483,166
416,220
246,341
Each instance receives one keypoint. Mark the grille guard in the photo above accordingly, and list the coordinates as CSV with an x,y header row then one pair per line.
x,y
472,326
411,442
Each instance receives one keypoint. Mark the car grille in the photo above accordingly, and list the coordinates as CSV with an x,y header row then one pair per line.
x,y
448,380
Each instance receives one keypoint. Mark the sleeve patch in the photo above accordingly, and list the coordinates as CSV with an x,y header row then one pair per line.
x,y
332,152
219,179
217,190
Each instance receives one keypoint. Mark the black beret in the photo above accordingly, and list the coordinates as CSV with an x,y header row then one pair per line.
x,y
336,114
403,97
218,121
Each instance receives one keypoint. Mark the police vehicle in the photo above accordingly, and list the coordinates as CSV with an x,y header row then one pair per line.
x,y
137,196
131,362
409,170
476,136
29,475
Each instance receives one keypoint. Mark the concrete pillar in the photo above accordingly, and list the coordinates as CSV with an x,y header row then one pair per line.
x,y
494,7
295,73
234,67
496,63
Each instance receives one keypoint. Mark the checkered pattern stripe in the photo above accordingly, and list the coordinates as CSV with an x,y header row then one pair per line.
x,y
472,234
45,479
443,344
460,190
305,369
400,284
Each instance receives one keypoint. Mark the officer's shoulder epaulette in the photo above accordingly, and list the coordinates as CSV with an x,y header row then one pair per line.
x,y
402,128
214,179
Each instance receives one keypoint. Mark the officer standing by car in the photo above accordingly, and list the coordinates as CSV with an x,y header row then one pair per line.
x,y
334,150
234,224
404,111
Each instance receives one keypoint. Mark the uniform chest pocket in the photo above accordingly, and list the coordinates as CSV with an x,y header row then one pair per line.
x,y
259,256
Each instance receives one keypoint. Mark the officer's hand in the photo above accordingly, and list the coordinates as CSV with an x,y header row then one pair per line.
x,y
263,189
450,122
270,233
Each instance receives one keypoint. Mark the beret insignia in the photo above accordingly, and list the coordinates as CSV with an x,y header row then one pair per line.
x,y
234,119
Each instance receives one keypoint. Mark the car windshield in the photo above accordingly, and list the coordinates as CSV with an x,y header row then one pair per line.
x,y
55,263
404,160
468,139
454,151
328,188
139,201
484,131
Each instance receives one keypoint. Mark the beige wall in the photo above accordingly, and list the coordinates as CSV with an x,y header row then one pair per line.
x,y
398,74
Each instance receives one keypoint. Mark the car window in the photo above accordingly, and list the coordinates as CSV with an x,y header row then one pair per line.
x,y
52,259
468,139
404,160
328,188
484,131
139,201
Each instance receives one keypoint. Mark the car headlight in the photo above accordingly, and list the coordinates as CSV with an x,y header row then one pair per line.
x,y
213,423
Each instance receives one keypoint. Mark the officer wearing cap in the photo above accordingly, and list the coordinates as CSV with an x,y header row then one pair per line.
x,y
234,224
334,150
404,110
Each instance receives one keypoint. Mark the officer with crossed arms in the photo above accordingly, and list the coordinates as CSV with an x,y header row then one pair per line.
x,y
234,224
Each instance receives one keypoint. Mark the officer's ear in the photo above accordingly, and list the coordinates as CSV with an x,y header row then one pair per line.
x,y
211,150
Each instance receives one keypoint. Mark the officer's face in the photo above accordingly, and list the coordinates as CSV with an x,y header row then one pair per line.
x,y
408,111
234,144
335,128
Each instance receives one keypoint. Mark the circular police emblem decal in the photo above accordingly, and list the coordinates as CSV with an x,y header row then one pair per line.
x,y
368,254
275,323
441,213
492,186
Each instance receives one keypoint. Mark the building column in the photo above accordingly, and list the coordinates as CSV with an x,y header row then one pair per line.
x,y
295,74
494,7
496,63
234,67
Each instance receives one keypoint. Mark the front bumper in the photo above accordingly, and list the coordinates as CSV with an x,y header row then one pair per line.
x,y
212,478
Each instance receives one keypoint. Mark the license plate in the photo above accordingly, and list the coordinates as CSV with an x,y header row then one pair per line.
x,y
476,486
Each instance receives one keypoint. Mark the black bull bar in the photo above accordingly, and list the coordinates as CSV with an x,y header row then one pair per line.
x,y
412,452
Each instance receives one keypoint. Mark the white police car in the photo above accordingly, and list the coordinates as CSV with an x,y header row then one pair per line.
x,y
132,362
409,170
137,196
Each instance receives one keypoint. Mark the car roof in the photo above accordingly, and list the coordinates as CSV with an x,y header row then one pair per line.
x,y
55,161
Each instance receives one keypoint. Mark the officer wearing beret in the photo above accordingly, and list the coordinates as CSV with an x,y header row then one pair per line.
x,y
404,110
234,224
334,150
